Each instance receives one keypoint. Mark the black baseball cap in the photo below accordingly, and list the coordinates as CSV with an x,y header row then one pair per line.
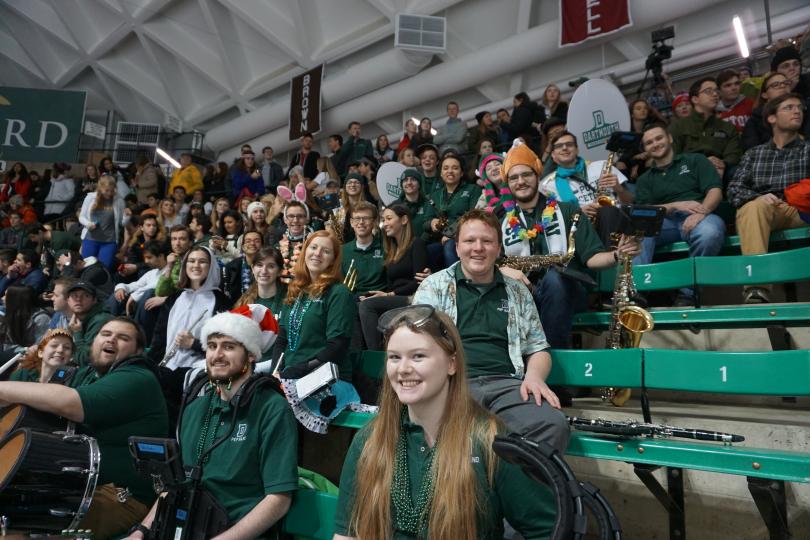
x,y
83,286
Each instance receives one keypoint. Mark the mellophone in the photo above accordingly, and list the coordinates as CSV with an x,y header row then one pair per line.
x,y
48,473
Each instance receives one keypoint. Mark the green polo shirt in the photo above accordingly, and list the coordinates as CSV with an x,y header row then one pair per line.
x,y
586,240
258,458
687,178
327,317
25,375
455,204
91,324
125,401
368,263
527,505
483,314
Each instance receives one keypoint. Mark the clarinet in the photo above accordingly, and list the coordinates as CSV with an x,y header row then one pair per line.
x,y
173,349
633,428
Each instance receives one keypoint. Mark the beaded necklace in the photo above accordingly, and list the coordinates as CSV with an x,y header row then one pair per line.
x,y
514,220
204,430
297,313
410,516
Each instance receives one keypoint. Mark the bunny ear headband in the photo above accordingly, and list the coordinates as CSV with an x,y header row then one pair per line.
x,y
300,195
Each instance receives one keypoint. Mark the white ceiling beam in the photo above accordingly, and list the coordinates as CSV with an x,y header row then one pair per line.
x,y
524,13
112,96
164,79
213,27
44,20
274,28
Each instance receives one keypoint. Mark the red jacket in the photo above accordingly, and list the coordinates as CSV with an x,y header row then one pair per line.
x,y
20,187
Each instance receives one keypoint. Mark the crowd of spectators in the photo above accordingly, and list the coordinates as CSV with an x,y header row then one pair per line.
x,y
312,242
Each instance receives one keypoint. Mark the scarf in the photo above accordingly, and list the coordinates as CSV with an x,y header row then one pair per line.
x,y
517,236
564,191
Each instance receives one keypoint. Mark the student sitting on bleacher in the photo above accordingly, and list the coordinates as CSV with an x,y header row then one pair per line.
x,y
689,188
757,190
506,350
425,468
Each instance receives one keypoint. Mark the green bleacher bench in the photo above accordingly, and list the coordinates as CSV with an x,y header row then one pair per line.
x,y
732,243
780,267
742,316
655,276
750,373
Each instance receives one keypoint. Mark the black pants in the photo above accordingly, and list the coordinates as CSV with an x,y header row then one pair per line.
x,y
370,311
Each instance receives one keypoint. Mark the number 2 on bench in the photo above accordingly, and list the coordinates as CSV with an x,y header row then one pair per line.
x,y
648,277
723,374
588,369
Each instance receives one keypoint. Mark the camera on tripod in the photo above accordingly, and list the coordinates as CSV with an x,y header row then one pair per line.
x,y
660,52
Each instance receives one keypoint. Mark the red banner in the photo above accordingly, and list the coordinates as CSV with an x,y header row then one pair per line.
x,y
581,20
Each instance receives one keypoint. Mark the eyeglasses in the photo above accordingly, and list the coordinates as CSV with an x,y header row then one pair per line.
x,y
524,175
252,241
561,145
415,316
362,219
791,107
293,217
778,84
710,91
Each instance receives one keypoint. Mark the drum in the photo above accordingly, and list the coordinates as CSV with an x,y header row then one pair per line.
x,y
20,416
47,480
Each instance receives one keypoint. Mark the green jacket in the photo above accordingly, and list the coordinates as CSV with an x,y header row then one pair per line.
x,y
167,285
91,324
422,212
708,136
354,150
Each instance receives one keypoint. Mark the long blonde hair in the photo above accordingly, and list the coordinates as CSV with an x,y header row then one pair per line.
x,y
457,499
302,279
105,179
395,248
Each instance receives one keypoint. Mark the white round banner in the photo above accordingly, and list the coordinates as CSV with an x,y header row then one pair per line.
x,y
388,181
597,109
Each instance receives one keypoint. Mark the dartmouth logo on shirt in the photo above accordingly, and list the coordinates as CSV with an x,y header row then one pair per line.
x,y
241,431
600,132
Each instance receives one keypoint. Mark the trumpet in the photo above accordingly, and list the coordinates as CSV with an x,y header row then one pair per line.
x,y
603,195
172,351
351,277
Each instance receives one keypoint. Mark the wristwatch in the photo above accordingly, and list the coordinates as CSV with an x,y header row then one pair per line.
x,y
140,527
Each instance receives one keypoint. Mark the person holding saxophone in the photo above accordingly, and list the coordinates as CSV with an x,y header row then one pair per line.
x,y
542,224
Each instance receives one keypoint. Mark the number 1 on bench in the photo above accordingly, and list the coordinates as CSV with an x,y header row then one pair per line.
x,y
748,269
723,377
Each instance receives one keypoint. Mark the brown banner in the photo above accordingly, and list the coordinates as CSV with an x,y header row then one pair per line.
x,y
305,103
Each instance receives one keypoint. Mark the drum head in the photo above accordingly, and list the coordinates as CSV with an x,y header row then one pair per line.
x,y
9,419
388,181
12,452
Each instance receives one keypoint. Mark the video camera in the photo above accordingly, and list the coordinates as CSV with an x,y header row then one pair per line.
x,y
660,52
187,512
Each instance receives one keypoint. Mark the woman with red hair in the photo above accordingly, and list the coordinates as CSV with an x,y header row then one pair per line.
x,y
318,328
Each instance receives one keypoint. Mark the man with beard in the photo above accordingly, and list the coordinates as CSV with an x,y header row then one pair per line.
x,y
254,470
113,398
540,225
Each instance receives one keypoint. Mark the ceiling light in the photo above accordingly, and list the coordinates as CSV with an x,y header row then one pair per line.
x,y
165,155
741,41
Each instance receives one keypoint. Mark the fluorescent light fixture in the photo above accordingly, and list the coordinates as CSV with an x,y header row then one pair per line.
x,y
433,131
415,120
738,29
165,155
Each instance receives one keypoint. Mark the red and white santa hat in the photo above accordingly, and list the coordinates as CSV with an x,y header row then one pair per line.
x,y
252,325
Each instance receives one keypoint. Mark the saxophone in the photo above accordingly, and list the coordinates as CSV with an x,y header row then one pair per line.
x,y
604,196
530,263
628,322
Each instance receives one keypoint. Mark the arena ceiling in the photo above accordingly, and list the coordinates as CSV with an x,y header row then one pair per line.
x,y
213,62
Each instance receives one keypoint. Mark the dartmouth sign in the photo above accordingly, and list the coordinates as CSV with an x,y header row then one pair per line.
x,y
40,125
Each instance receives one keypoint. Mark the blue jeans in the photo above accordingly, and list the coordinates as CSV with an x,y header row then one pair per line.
x,y
103,251
705,239
557,298
449,250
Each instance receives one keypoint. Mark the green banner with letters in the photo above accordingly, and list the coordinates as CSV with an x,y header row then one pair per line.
x,y
40,125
